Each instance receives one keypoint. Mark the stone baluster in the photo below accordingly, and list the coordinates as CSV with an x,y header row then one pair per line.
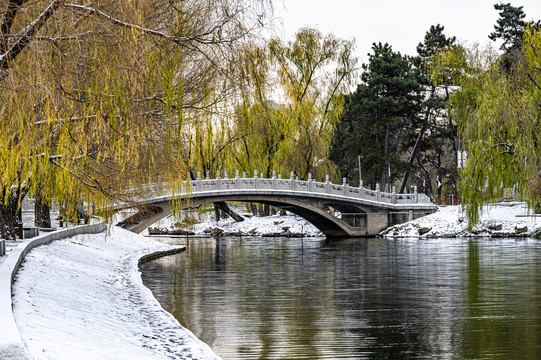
x,y
310,186
274,185
255,179
237,181
199,183
344,187
415,195
377,192
218,181
393,195
292,182
327,184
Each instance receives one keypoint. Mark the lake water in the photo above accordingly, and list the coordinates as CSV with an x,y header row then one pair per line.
x,y
280,298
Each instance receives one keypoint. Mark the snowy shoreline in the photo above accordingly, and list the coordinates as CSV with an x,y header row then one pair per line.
x,y
83,298
273,225
512,219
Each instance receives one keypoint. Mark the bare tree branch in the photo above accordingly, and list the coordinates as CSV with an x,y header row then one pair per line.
x,y
27,34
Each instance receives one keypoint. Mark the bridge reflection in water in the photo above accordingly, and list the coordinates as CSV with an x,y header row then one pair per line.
x,y
358,211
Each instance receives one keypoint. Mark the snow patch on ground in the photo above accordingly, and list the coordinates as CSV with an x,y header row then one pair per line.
x,y
274,224
83,298
498,220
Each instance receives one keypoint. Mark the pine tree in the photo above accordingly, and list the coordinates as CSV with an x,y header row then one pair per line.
x,y
431,152
435,40
510,28
378,116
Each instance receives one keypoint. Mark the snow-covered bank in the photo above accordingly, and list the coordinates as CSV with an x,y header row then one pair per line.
x,y
83,298
269,225
498,220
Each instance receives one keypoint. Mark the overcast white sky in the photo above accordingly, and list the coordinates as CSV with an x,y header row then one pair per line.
x,y
401,23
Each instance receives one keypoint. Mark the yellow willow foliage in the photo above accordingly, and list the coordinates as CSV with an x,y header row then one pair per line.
x,y
292,101
498,112
116,95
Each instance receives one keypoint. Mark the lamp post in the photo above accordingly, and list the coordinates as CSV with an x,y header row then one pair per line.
x,y
359,157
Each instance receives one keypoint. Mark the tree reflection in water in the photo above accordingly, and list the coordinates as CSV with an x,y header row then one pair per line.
x,y
276,298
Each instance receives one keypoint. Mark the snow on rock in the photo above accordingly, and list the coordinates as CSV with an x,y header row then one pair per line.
x,y
497,220
274,224
83,298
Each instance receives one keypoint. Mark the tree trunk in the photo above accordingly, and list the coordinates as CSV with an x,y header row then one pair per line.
x,y
9,217
224,207
216,212
384,170
417,143
261,210
42,213
253,207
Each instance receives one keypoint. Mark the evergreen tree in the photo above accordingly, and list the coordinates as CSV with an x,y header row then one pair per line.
x,y
432,157
378,116
510,28
435,40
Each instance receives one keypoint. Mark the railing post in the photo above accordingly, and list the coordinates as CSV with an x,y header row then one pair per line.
x,y
255,179
237,179
327,184
292,185
198,183
393,196
377,192
274,179
344,186
218,181
415,195
310,185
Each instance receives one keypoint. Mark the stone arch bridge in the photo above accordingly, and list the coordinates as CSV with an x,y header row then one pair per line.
x,y
358,211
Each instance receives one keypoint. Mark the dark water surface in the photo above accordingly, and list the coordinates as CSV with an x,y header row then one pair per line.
x,y
279,298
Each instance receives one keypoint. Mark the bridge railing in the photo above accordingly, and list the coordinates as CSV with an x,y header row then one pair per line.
x,y
293,184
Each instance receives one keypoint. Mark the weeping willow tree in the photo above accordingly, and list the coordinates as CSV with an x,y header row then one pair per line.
x,y
258,123
292,100
499,122
100,99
